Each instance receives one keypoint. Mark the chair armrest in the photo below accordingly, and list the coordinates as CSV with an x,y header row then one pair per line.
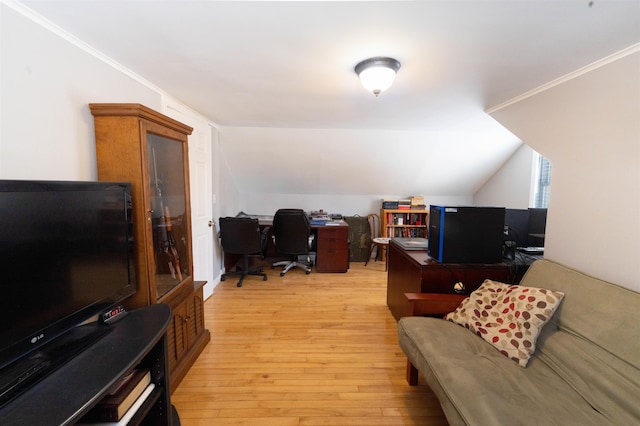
x,y
433,304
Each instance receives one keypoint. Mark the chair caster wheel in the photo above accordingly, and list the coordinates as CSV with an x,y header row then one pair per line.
x,y
222,278
264,278
239,284
282,274
307,272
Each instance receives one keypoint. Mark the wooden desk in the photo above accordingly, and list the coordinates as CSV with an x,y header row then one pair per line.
x,y
416,272
331,245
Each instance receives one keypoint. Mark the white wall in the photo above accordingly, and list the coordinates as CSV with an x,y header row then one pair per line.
x,y
47,83
230,198
510,186
589,128
347,205
346,171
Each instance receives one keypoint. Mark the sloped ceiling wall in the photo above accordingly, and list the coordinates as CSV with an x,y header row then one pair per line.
x,y
363,162
589,127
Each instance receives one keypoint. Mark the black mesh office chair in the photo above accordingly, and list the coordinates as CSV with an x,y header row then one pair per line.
x,y
291,231
241,235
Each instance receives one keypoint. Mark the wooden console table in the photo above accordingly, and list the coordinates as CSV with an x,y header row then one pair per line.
x,y
413,271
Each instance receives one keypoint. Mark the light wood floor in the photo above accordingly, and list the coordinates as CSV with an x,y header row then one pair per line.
x,y
318,349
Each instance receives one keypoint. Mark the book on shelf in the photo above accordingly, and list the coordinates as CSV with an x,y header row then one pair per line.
x,y
389,204
404,204
126,418
120,397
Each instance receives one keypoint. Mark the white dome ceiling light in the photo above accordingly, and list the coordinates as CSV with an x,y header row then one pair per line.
x,y
377,74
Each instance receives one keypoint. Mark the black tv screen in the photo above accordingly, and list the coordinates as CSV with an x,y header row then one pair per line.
x,y
66,254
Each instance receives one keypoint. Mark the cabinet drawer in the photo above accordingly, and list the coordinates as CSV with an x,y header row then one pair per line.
x,y
333,238
333,261
333,232
332,244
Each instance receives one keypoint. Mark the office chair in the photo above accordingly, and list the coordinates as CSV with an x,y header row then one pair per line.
x,y
377,240
291,231
241,235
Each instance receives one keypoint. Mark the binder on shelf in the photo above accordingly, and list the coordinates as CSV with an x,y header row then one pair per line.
x,y
120,398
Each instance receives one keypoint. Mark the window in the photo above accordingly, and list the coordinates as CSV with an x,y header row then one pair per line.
x,y
542,183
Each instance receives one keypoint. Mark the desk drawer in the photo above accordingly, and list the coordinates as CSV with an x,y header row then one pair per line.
x,y
332,261
334,238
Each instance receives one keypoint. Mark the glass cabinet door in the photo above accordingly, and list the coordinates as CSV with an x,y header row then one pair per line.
x,y
167,193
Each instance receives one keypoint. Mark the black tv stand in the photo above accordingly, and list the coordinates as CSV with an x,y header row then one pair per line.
x,y
33,367
64,395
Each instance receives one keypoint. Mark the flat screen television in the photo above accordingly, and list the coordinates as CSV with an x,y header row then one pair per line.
x,y
66,255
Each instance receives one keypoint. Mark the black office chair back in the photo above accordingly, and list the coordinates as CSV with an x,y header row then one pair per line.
x,y
291,229
240,235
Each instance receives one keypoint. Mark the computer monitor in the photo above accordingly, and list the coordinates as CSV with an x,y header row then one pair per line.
x,y
460,234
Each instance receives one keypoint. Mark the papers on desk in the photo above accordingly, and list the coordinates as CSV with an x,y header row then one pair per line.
x,y
316,222
412,243
320,216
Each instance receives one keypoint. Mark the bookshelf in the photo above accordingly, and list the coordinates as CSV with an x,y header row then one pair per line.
x,y
404,223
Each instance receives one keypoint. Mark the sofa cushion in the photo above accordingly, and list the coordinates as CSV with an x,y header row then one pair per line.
x,y
592,340
510,317
476,385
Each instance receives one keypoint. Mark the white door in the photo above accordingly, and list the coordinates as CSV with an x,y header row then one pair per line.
x,y
200,180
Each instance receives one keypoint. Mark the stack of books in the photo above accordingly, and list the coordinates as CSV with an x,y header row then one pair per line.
x,y
404,204
417,203
122,400
389,204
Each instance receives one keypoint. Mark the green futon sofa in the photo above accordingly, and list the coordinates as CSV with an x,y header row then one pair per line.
x,y
585,369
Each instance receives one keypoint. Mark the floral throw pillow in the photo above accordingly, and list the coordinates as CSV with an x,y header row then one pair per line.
x,y
510,317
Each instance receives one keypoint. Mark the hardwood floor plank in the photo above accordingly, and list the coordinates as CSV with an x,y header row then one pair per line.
x,y
317,349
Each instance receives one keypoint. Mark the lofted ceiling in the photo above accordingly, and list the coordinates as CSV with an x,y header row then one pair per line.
x,y
289,65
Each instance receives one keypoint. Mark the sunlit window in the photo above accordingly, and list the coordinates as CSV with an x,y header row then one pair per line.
x,y
542,183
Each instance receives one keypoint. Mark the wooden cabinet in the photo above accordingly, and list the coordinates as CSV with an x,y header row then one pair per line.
x,y
332,248
184,335
139,145
404,223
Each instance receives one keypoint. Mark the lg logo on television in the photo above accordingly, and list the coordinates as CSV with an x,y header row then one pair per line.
x,y
34,339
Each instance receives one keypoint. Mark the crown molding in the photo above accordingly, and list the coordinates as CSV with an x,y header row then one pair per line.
x,y
567,77
55,29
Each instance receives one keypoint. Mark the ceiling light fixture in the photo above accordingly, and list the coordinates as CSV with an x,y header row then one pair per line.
x,y
377,74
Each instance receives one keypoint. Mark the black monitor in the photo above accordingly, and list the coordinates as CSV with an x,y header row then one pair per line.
x,y
537,226
460,234
526,226
516,222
